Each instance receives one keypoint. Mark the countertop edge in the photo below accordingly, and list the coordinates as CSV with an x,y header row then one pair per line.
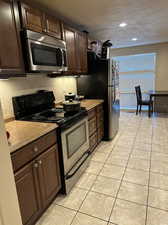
x,y
13,148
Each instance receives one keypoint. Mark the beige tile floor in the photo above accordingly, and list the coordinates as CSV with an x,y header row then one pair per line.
x,y
126,182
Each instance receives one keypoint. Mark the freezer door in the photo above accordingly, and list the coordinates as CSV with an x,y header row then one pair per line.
x,y
114,110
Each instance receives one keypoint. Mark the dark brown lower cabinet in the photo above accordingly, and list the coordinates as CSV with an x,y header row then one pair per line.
x,y
96,126
28,192
37,184
49,175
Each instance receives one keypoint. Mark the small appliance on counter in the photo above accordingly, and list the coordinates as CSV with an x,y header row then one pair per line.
x,y
71,106
73,138
73,96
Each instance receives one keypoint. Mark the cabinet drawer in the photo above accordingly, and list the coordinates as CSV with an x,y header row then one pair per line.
x,y
92,126
93,141
99,108
100,119
92,113
28,152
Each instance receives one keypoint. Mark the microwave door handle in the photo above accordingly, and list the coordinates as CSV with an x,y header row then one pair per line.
x,y
63,62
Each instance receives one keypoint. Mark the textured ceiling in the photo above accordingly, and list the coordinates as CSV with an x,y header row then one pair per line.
x,y
147,19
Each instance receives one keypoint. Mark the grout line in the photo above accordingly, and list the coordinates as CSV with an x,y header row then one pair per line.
x,y
123,176
88,191
146,219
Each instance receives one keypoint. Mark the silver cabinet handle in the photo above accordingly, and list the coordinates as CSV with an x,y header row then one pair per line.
x,y
35,149
40,162
36,165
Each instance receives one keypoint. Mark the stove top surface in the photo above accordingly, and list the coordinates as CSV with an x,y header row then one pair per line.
x,y
57,115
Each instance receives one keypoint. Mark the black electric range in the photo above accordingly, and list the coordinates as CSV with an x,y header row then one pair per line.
x,y
39,107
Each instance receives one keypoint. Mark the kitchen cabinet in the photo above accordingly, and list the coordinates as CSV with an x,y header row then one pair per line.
x,y
76,43
49,175
32,18
96,126
37,20
38,181
82,52
53,26
10,53
28,192
70,39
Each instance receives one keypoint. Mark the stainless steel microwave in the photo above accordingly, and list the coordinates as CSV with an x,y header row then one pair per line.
x,y
44,53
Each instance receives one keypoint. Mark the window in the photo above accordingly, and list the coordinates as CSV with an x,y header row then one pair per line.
x,y
135,70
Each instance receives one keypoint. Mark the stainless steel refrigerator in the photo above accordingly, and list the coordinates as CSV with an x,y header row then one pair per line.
x,y
103,83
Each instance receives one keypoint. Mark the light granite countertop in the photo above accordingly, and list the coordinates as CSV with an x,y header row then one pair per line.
x,y
24,132
91,103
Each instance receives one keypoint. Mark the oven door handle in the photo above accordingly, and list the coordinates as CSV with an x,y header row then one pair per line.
x,y
69,175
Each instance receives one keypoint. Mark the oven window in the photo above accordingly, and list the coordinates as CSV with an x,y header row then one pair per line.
x,y
43,55
75,139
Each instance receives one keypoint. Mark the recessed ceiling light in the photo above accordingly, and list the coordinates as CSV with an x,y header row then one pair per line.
x,y
123,24
134,39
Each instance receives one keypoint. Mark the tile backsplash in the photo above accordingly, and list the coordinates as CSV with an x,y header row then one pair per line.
x,y
30,84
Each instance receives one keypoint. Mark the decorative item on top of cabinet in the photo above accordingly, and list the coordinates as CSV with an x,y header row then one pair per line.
x,y
39,181
32,18
53,26
10,46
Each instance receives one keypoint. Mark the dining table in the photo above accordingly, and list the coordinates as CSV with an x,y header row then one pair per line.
x,y
152,94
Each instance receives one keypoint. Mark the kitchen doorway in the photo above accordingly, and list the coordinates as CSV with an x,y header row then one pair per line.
x,y
135,70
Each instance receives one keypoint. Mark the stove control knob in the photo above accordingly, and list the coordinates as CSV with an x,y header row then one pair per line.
x,y
35,149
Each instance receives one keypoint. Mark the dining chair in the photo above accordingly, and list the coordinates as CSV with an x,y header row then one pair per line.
x,y
141,102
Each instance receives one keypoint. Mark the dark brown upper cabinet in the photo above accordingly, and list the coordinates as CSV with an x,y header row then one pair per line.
x,y
82,52
32,18
37,20
70,39
10,46
76,43
53,26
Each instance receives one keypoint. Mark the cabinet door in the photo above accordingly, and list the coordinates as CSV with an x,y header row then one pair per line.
x,y
49,174
70,38
53,27
10,48
92,126
32,18
82,51
28,192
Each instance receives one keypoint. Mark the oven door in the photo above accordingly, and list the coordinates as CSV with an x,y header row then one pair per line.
x,y
43,57
75,143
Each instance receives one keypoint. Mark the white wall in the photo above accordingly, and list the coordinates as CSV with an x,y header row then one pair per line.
x,y
9,208
161,50
30,84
